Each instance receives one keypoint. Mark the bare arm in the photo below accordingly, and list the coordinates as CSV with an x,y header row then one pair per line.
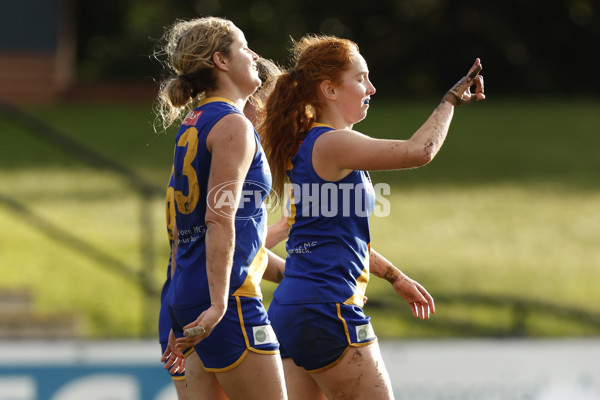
x,y
338,152
232,144
275,268
346,150
420,300
279,230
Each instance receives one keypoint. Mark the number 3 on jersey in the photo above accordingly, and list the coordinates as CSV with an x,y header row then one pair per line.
x,y
187,203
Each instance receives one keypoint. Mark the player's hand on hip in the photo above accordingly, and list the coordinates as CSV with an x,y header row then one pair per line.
x,y
461,93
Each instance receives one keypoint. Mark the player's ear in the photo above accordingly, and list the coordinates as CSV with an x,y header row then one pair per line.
x,y
328,90
220,61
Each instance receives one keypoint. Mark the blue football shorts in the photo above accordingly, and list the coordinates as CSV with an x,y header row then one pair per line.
x,y
316,336
245,327
164,328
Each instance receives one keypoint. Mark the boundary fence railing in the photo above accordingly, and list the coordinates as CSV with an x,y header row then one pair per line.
x,y
145,191
514,313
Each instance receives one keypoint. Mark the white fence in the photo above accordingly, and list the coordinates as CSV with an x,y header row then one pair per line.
x,y
420,370
494,369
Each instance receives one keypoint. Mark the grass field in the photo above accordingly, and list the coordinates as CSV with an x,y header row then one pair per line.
x,y
509,208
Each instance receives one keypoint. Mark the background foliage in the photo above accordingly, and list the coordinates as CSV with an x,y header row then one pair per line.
x,y
413,47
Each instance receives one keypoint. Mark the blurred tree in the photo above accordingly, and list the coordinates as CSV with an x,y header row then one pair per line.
x,y
413,47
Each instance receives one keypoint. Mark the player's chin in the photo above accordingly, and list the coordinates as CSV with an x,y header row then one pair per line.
x,y
362,115
253,82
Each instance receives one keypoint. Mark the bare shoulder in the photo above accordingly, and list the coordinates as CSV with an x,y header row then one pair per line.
x,y
341,138
231,130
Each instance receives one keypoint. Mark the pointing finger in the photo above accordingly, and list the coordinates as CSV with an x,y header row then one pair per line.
x,y
475,69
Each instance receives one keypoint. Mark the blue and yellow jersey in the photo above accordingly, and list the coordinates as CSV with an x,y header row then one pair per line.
x,y
191,169
328,244
170,208
164,325
170,220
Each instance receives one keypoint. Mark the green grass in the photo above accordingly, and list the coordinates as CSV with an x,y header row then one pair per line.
x,y
91,207
508,208
532,242
534,141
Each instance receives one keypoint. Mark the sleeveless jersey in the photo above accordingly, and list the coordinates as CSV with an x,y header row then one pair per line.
x,y
163,321
191,169
170,219
328,245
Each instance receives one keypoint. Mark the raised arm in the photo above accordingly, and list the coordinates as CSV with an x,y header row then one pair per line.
x,y
338,152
